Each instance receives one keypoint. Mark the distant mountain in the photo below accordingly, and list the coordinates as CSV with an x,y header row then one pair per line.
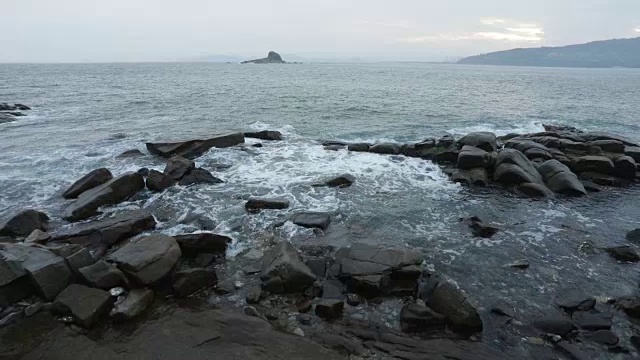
x,y
597,54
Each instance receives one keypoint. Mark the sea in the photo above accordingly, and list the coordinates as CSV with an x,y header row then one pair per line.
x,y
84,115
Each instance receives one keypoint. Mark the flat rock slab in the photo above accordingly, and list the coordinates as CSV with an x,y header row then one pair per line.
x,y
199,176
84,303
284,271
147,259
193,148
310,219
134,304
103,275
255,204
194,244
187,282
269,135
157,181
89,181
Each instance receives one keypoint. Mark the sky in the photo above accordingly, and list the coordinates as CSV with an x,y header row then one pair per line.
x,y
377,30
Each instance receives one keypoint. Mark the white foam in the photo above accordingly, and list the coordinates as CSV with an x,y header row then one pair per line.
x,y
531,127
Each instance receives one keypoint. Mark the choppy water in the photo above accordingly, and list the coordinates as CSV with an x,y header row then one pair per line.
x,y
85,115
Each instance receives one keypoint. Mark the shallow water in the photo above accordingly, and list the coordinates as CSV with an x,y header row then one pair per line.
x,y
85,115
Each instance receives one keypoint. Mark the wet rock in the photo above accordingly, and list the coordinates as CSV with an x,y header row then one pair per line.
x,y
334,147
109,193
10,318
103,275
535,190
575,300
483,140
108,231
447,299
446,141
361,147
284,271
571,351
14,282
623,253
612,146
257,145
354,299
268,135
309,219
631,306
476,177
597,164
256,204
85,303
556,326
24,223
604,337
37,236
502,311
134,304
330,309
634,236
592,320
158,182
193,244
91,180
80,259
479,229
633,152
368,285
520,264
445,155
341,181
385,148
471,157
424,150
590,186
194,148
177,167
147,259
133,153
603,179
202,260
559,178
199,176
225,287
254,295
417,318
187,282
514,168
625,167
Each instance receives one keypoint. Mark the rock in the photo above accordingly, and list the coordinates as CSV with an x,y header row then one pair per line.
x,y
143,171
272,58
634,236
535,190
631,306
10,318
471,157
187,282
514,168
103,275
91,180
611,146
330,309
147,259
24,223
158,182
268,135
603,179
193,148
284,270
560,179
48,273
108,231
572,351
254,295
199,176
633,152
354,299
85,303
305,319
80,259
334,147
447,299
424,150
225,287
257,145
623,253
133,153
177,167
37,236
519,264
446,155
33,309
625,167
483,140
192,244
341,181
368,285
109,193
309,219
597,164
134,304
604,337
592,320
635,341
575,300
385,148
556,326
361,147
476,177
14,282
478,229
417,318
256,204
591,186
446,141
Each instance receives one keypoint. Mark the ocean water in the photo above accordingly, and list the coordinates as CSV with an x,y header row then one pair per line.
x,y
85,115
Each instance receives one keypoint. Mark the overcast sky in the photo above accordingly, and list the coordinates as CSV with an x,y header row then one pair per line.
x,y
166,30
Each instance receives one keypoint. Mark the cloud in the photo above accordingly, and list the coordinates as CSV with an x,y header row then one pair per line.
x,y
494,29
492,21
399,25
637,30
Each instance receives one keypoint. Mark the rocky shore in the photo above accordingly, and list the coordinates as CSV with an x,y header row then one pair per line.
x,y
110,285
10,113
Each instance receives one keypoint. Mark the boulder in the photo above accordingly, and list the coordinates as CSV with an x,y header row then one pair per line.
x,y
445,155
14,282
193,244
86,304
134,304
477,177
330,309
310,219
479,229
256,204
447,299
535,190
109,193
634,236
107,232
631,306
341,181
594,136
199,176
103,275
157,181
422,150
284,271
590,163
23,223
575,300
147,259
446,141
625,167
187,282
385,148
37,236
611,146
531,149
79,260
91,180
362,147
370,286
484,140
133,153
604,337
556,326
633,152
514,168
143,171
416,318
592,320
194,148
268,135
177,167
471,157
603,179
560,179
623,253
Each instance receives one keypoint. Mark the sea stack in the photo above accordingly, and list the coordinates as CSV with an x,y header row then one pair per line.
x,y
272,58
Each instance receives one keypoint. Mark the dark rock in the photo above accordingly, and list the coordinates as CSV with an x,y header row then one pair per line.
x,y
254,295
257,145
268,135
354,299
631,306
592,320
103,275
604,337
634,236
560,179
625,167
633,152
447,299
133,153
484,140
341,181
22,107
416,318
284,270
199,176
635,341
318,267
424,150
611,146
194,148
446,155
134,304
478,229
187,282
385,148
603,179
177,167
256,204
79,260
361,147
535,190
157,181
501,311
272,314
91,180
334,147
143,171
594,136
332,290
308,219
623,253
597,164
446,141
591,186
556,326
23,223
272,58
571,351
514,168
330,309
147,259
305,319
471,157
192,244
109,231
362,260
476,177
531,149
225,287
575,300
85,303
519,264
14,282
203,260
37,236
368,285
109,193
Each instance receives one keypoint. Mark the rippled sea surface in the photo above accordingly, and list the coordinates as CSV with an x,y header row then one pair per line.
x,y
85,115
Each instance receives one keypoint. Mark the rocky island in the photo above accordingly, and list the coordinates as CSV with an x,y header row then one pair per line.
x,y
272,58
